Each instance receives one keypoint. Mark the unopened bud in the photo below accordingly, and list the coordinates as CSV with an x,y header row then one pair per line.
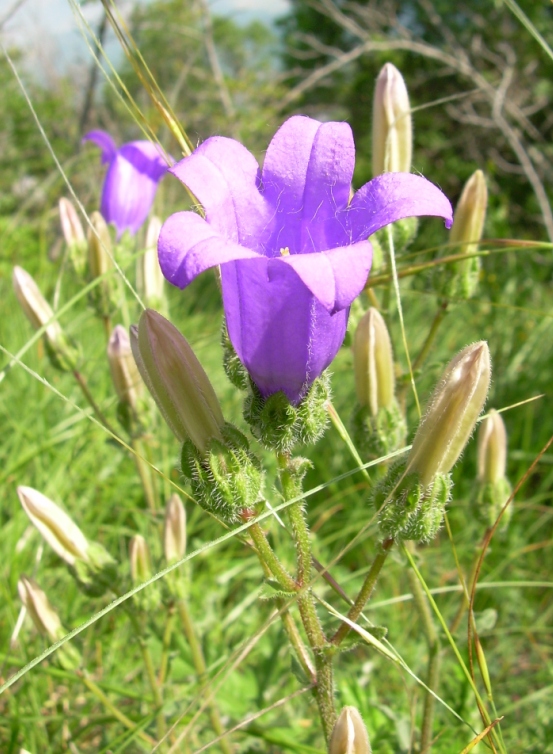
x,y
451,414
373,363
62,353
149,277
349,735
47,621
176,380
141,562
493,488
492,448
39,608
124,373
174,533
73,233
392,141
99,246
461,278
55,526
378,424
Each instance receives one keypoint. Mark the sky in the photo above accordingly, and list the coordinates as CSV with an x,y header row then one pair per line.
x,y
48,32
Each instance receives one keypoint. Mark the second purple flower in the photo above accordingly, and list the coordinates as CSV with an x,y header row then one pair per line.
x,y
293,249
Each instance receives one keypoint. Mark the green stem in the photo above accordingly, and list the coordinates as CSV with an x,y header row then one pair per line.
x,y
365,593
201,670
433,669
90,399
268,557
150,674
169,625
427,345
108,704
143,469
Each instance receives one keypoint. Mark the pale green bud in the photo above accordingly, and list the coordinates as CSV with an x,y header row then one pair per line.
x,y
492,448
176,380
373,363
149,277
124,372
141,562
459,280
55,526
349,735
73,233
62,353
174,532
392,141
451,414
47,621
38,606
99,246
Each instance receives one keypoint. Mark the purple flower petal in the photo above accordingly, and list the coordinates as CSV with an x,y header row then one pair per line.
x,y
306,179
188,245
146,158
281,333
393,196
103,140
224,177
334,277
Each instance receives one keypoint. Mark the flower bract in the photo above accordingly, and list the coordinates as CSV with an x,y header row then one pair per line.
x,y
134,170
293,248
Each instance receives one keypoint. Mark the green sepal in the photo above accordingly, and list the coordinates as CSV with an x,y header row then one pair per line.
x,y
64,354
376,436
408,510
299,672
234,369
69,658
404,233
458,280
271,590
490,499
97,575
227,479
279,425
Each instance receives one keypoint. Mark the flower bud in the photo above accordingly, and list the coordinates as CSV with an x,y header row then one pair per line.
x,y
451,414
174,532
461,278
378,424
149,278
176,380
392,140
141,562
62,353
373,363
124,373
73,233
492,448
493,488
46,621
99,246
55,526
349,735
39,608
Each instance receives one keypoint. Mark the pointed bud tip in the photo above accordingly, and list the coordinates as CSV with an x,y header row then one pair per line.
x,y
349,735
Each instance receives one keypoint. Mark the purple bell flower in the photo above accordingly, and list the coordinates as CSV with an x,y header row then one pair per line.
x,y
292,247
131,180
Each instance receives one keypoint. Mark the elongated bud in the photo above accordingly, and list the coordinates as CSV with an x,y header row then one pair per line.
x,y
378,425
176,380
392,141
149,278
350,734
39,608
55,526
124,373
174,533
47,621
492,448
493,487
451,414
74,234
460,280
141,562
470,214
373,363
99,246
